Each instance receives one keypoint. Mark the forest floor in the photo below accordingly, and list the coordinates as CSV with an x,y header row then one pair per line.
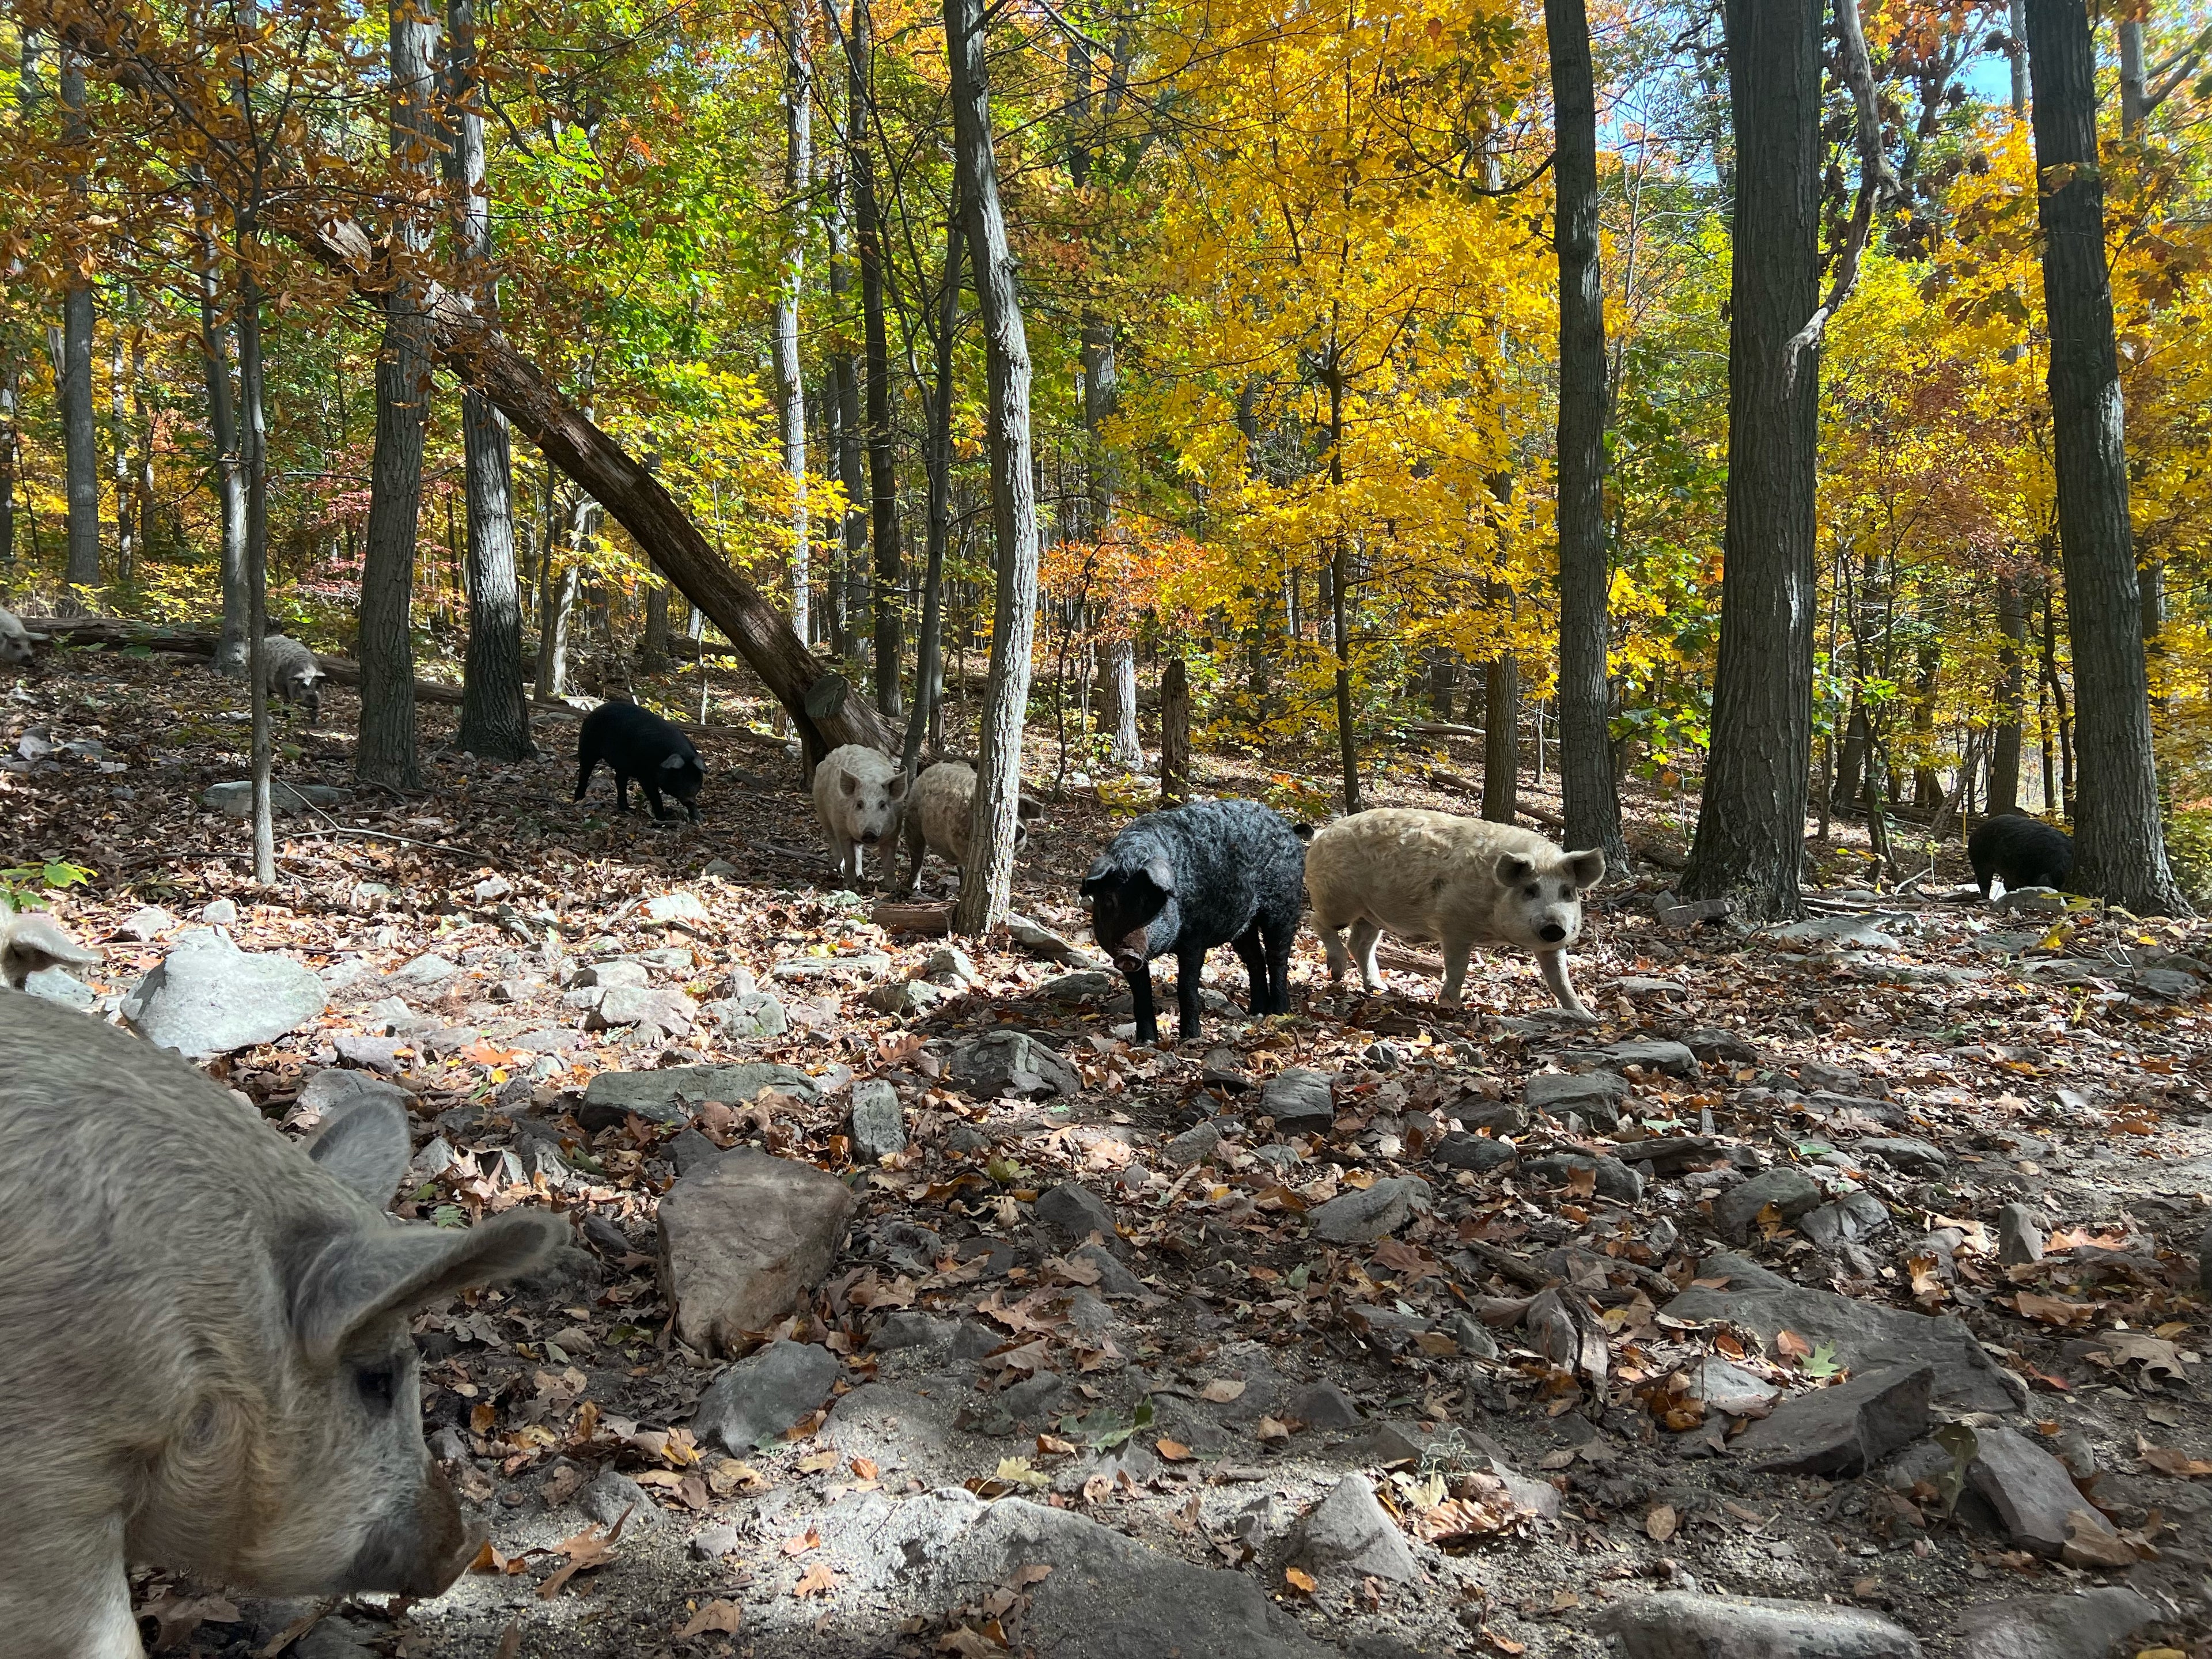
x,y
1936,1057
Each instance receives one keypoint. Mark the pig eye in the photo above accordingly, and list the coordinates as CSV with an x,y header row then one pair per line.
x,y
1537,892
1566,890
379,1385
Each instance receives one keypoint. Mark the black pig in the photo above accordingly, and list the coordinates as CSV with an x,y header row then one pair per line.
x,y
636,742
1212,872
2026,851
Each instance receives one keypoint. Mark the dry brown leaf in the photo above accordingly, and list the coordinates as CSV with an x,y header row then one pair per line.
x,y
722,1617
1660,1521
817,1580
2168,1461
2053,1310
801,1543
2090,1543
1223,1389
1303,1582
1173,1451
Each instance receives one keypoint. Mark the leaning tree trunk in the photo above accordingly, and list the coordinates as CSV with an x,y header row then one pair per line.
x,y
2119,846
495,709
790,390
482,357
883,480
228,476
1750,842
73,375
986,886
386,751
1586,780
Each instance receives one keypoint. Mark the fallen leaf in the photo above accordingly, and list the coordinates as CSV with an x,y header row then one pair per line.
x,y
1660,1521
1173,1451
817,1580
723,1618
2090,1543
801,1543
2168,1461
1303,1582
1223,1389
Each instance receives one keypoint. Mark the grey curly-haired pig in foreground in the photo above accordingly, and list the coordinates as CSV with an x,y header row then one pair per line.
x,y
205,1354
1462,881
290,672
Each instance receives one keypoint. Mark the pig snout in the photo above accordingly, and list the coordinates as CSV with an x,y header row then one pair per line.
x,y
1552,933
417,1548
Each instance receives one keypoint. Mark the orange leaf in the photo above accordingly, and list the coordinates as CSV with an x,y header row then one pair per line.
x,y
723,1618
1302,1582
1173,1451
819,1580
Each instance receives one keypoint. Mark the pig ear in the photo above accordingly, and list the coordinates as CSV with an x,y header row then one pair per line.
x,y
674,763
1587,868
1512,868
1161,874
1095,878
848,782
1029,806
31,943
899,786
367,1274
365,1146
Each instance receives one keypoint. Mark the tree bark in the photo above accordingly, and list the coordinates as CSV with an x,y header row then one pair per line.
x,y
2119,844
386,750
790,388
1591,799
1501,738
73,375
11,389
889,588
494,706
1174,732
986,888
1125,745
2004,751
119,447
845,384
929,655
1339,574
1751,824
228,476
254,463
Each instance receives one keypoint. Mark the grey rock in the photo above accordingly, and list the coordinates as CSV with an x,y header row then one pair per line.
x,y
904,996
1471,1336
1089,985
690,1151
2031,1491
2020,1236
1643,985
666,1095
208,998
1598,1095
1866,1336
742,1241
146,924
1192,1147
236,799
1844,1429
909,1327
866,964
749,1017
966,1138
1010,1062
2162,984
677,909
377,1053
1359,1217
878,1120
894,1427
1459,1150
1323,1406
1905,1152
628,1004
1676,1625
1348,1532
1720,1046
1849,1219
2204,1260
1730,1388
1792,1191
713,1542
1648,1054
335,1638
328,1092
1818,1077
1115,1280
433,1159
1299,1100
219,913
762,1395
1613,1178
1033,1396
424,971
608,975
59,985
2087,1626
948,964
1071,1213
612,1497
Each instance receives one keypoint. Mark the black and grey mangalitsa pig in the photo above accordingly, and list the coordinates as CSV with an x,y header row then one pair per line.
x,y
1212,872
1462,881
637,743
2021,851
204,1357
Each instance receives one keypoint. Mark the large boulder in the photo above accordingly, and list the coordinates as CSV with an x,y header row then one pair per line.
x,y
670,1094
1348,1531
1678,1625
1843,1430
760,1397
1866,1336
1364,1216
1010,1062
743,1239
2081,1627
208,997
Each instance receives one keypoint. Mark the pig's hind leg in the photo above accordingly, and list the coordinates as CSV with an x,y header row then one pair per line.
x,y
1254,955
66,1594
1278,936
585,762
1364,933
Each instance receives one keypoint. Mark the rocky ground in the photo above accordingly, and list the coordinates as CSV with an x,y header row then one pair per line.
x,y
1854,1264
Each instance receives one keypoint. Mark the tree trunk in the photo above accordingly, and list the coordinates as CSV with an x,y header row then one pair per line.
x,y
495,712
1750,840
1501,738
653,649
790,389
11,388
141,467
929,655
1174,732
2119,845
1339,579
1592,801
1125,747
229,476
2004,751
845,384
73,375
386,751
986,887
255,463
889,592
119,447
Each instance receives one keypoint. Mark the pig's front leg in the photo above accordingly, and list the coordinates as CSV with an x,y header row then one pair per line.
x,y
66,1594
1190,969
1554,965
1140,993
1455,954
